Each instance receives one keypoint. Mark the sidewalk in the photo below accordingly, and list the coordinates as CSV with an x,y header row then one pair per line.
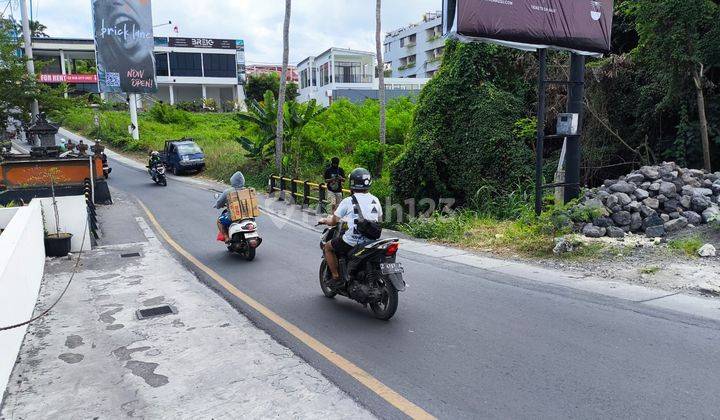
x,y
91,357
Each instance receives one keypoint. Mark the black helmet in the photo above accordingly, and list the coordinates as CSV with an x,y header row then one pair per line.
x,y
360,179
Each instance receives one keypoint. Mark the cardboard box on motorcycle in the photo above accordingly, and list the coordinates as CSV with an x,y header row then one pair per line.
x,y
243,204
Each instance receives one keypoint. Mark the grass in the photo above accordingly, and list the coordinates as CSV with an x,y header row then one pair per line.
x,y
651,270
526,235
214,133
689,245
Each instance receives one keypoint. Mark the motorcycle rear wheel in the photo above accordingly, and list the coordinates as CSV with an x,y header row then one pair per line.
x,y
249,254
387,307
163,182
324,274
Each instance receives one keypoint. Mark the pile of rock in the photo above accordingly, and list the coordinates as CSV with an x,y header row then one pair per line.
x,y
655,200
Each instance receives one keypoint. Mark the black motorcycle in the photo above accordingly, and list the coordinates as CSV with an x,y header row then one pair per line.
x,y
157,173
370,273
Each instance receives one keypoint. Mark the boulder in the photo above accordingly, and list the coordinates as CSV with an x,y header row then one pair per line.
x,y
646,211
686,201
668,189
592,231
623,187
562,246
615,232
650,173
603,221
633,207
688,190
623,199
707,251
622,218
655,186
612,201
703,191
655,232
652,220
710,214
641,194
635,222
674,215
671,205
692,217
700,203
652,203
636,178
665,217
676,224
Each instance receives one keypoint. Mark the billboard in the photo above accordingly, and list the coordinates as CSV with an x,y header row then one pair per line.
x,y
582,26
124,46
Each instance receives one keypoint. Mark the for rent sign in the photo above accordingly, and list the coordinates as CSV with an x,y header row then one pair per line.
x,y
68,78
579,25
124,46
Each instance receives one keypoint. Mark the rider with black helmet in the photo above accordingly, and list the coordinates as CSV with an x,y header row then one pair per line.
x,y
360,182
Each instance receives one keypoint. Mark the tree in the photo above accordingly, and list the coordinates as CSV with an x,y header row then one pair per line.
x,y
18,89
37,29
381,76
264,117
678,44
258,84
281,92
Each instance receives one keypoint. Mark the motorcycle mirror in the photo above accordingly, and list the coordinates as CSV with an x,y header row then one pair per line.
x,y
217,195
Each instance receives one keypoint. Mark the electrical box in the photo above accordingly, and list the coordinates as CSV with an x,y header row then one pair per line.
x,y
567,124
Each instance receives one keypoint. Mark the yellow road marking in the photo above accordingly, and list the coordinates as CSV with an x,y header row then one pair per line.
x,y
374,385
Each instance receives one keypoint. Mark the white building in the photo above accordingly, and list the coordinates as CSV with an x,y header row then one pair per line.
x,y
344,73
187,69
415,50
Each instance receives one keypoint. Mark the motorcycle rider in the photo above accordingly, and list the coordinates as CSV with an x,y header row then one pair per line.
x,y
360,181
237,182
154,159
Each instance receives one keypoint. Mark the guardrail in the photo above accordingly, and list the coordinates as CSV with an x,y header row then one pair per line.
x,y
302,192
92,215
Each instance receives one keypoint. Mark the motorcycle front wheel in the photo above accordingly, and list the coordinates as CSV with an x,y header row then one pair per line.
x,y
324,274
249,254
385,309
163,182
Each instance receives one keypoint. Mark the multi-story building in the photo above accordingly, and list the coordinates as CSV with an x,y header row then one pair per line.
x,y
187,69
415,50
291,75
344,73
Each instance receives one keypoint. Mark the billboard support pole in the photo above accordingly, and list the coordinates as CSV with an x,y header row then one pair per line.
x,y
27,41
576,106
133,117
539,144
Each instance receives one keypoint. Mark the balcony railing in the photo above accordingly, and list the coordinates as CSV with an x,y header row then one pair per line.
x,y
353,79
407,66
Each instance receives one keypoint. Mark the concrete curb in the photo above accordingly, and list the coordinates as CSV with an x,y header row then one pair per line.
x,y
708,308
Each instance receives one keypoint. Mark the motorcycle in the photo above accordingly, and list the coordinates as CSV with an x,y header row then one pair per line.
x,y
371,275
157,173
244,237
106,167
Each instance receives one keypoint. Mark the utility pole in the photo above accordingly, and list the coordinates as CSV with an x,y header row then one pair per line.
x,y
27,40
133,116
575,106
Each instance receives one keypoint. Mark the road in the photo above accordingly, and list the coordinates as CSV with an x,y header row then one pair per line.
x,y
465,343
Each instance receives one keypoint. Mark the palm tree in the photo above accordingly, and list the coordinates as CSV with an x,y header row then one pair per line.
x,y
381,79
281,92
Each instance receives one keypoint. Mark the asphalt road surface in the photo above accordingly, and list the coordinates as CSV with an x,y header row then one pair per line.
x,y
465,343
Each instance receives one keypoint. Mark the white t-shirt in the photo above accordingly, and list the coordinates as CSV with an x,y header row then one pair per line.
x,y
371,210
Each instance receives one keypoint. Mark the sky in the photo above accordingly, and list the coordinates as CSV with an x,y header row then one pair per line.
x,y
315,25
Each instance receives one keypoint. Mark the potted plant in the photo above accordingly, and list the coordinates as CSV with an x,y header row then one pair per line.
x,y
57,244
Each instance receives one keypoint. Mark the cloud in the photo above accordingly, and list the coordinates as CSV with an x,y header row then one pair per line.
x,y
315,24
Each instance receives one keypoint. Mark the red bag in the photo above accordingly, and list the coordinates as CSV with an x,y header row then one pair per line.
x,y
220,237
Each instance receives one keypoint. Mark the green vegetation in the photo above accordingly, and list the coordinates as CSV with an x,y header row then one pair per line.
x,y
653,269
258,84
689,245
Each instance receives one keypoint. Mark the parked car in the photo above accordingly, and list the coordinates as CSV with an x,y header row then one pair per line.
x,y
182,156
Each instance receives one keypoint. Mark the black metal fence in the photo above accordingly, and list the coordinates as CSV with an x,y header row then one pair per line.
x,y
92,215
304,193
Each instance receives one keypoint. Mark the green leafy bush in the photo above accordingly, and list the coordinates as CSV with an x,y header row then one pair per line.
x,y
368,155
463,138
190,106
439,226
167,114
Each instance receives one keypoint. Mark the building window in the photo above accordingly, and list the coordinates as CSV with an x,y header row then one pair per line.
x,y
407,62
186,64
434,33
324,74
219,65
387,47
348,72
409,41
314,77
431,73
161,64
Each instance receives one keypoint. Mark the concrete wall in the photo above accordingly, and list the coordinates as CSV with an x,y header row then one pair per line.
x,y
22,261
360,95
6,215
73,219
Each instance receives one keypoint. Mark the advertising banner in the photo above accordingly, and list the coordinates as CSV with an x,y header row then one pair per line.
x,y
124,46
580,25
240,61
220,44
68,78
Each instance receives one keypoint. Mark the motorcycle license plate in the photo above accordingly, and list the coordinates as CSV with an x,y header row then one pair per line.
x,y
251,235
391,268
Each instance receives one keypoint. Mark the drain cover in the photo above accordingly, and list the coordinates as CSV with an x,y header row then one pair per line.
x,y
156,311
130,255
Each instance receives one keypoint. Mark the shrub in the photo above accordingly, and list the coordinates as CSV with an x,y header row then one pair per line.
x,y
463,139
439,226
190,106
689,245
167,114
368,154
